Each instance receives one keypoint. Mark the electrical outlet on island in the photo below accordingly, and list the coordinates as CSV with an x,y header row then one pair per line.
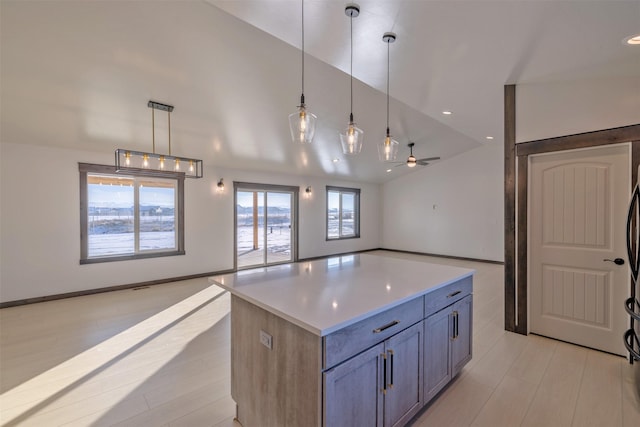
x,y
266,339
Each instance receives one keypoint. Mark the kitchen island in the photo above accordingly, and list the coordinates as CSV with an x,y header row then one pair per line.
x,y
350,340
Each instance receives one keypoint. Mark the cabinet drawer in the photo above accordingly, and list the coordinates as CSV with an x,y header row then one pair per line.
x,y
353,339
441,298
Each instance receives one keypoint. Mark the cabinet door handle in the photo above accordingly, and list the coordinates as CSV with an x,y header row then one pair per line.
x,y
453,294
391,370
453,326
456,324
387,326
384,373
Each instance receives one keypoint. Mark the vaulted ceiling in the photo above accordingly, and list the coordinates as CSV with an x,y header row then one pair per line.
x,y
78,74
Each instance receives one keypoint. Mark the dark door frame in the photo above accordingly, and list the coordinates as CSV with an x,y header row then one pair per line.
x,y
516,173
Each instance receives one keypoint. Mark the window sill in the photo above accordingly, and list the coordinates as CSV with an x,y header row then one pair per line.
x,y
331,239
130,257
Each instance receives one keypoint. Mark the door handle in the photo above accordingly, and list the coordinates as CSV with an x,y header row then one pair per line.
x,y
617,261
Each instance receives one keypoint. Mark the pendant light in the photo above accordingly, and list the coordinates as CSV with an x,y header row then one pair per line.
x,y
302,123
352,137
388,148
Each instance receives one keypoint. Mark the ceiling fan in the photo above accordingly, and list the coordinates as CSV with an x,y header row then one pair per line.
x,y
412,161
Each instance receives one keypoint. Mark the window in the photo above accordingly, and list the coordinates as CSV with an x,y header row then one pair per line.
x,y
343,213
129,216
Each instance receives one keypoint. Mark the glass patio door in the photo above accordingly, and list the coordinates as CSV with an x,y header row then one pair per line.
x,y
265,225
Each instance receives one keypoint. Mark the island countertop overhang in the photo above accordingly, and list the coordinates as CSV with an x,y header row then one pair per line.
x,y
326,295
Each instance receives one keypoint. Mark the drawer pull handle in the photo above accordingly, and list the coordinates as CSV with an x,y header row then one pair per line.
x,y
453,294
387,326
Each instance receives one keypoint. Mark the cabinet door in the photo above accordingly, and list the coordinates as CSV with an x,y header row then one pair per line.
x,y
461,344
404,375
437,367
353,391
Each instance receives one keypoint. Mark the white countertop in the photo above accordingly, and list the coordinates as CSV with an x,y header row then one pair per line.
x,y
326,295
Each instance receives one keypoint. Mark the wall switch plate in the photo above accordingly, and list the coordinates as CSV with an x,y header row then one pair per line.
x,y
266,339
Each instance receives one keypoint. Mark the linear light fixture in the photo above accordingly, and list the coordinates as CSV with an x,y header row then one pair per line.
x,y
154,163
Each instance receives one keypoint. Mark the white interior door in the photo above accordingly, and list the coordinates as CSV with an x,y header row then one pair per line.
x,y
577,208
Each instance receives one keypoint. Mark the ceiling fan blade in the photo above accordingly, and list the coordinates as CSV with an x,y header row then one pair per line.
x,y
428,159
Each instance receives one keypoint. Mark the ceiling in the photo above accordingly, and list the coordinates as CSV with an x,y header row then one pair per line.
x,y
78,74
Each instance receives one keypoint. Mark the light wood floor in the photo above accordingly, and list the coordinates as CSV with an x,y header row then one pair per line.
x,y
256,258
160,357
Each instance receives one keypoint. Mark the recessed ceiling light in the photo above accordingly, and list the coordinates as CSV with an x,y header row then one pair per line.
x,y
489,137
336,160
633,40
388,170
447,113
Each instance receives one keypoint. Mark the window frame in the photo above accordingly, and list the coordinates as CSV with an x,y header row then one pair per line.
x,y
88,168
356,212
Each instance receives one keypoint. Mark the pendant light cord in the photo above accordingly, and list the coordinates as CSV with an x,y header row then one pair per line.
x,y
302,95
153,130
169,122
351,69
388,68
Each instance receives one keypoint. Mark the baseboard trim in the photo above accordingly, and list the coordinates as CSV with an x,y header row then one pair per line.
x,y
487,261
212,273
108,289
314,258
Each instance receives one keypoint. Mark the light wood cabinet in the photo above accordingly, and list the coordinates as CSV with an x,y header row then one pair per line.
x,y
380,387
447,344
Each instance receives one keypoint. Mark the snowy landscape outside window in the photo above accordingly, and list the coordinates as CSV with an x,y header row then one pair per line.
x,y
343,213
129,216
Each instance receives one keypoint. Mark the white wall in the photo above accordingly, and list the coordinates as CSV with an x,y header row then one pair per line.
x,y
40,224
454,207
547,110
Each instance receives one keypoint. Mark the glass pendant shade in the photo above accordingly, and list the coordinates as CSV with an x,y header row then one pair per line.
x,y
351,139
303,125
388,149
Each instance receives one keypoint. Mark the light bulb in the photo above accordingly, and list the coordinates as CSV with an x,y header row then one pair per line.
x,y
177,166
190,165
127,158
145,161
351,134
303,121
386,151
161,162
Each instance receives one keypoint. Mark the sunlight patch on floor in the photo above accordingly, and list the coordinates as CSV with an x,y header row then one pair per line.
x,y
88,370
